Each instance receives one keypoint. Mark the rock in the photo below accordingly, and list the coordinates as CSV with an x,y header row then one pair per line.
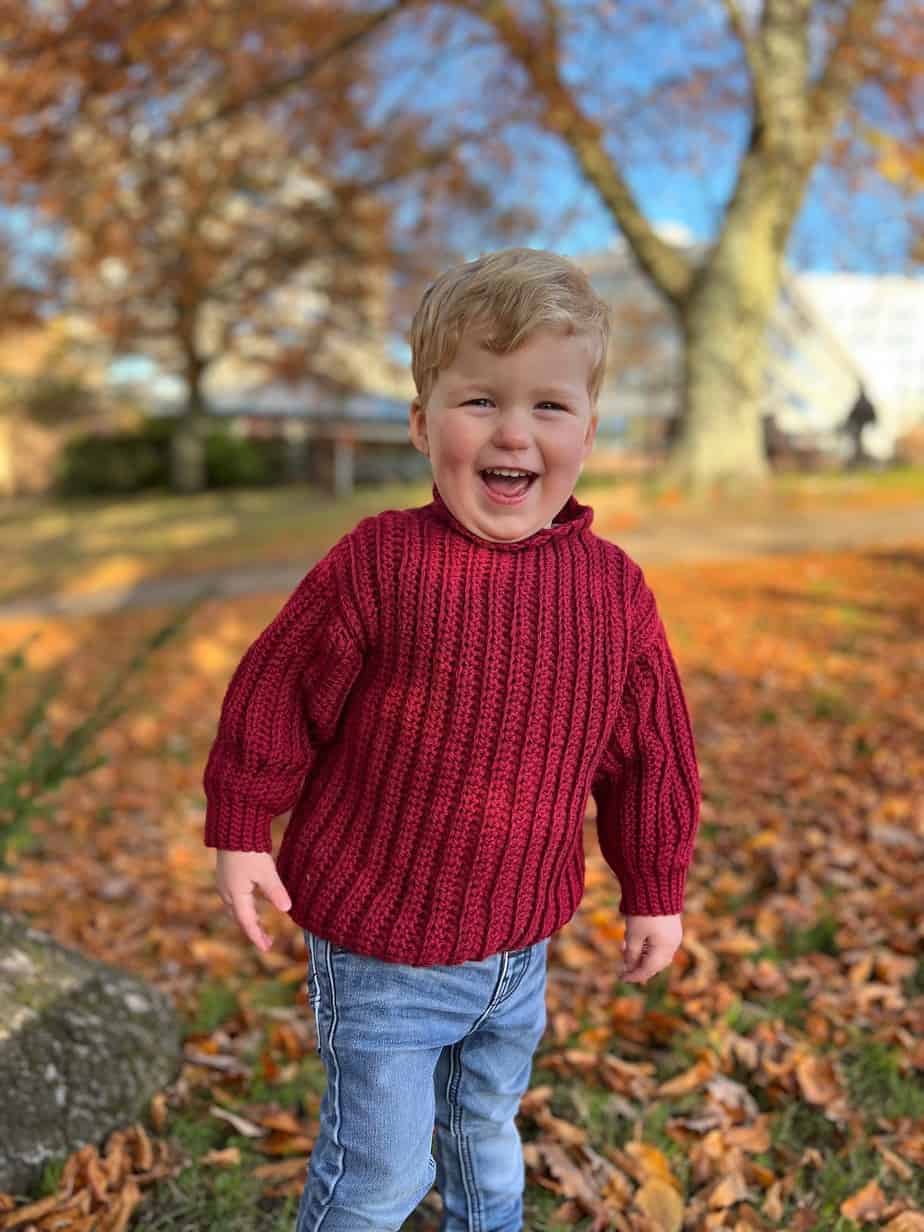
x,y
83,1047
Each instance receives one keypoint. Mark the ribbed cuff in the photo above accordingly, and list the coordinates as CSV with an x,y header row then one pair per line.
x,y
661,892
235,824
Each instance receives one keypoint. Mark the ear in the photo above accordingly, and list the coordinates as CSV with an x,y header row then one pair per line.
x,y
417,428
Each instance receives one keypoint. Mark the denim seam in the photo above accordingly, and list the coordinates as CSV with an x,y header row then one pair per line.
x,y
334,1084
452,1087
518,981
466,1168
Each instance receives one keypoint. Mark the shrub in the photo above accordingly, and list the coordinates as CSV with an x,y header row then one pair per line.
x,y
123,462
231,462
116,462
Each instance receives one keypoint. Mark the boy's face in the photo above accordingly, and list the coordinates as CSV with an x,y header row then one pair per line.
x,y
527,410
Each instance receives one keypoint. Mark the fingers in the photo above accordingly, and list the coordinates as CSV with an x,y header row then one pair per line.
x,y
632,949
646,962
241,906
245,911
272,888
640,974
276,892
240,874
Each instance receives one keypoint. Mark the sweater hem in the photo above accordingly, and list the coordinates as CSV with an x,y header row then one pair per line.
x,y
357,948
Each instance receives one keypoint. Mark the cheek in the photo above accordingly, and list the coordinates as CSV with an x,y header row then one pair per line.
x,y
459,441
559,440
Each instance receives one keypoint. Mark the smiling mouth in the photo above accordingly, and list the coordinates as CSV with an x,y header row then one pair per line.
x,y
520,472
508,487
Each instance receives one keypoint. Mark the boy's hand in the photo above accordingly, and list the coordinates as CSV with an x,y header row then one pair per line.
x,y
237,875
658,936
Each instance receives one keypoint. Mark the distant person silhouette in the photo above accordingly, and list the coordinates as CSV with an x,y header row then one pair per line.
x,y
860,415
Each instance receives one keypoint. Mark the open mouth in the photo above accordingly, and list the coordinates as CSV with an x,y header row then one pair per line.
x,y
508,486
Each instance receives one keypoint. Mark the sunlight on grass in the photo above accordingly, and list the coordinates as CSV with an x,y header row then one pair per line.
x,y
98,543
94,545
186,533
116,572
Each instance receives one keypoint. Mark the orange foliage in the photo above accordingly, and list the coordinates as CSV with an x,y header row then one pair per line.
x,y
804,676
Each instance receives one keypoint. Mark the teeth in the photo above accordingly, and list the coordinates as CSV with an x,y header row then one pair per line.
x,y
493,470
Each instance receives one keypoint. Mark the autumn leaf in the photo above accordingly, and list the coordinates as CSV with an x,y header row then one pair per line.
x,y
662,1204
229,1157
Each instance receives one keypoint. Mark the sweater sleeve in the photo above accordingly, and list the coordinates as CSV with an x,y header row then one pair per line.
x,y
282,704
646,786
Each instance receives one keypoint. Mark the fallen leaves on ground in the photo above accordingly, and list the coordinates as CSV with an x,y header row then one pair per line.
x,y
675,1104
96,1193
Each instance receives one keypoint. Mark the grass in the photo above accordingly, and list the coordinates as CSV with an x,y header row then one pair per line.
x,y
201,1197
800,1126
538,1208
817,938
877,1085
823,1190
791,1007
216,1003
831,1162
914,984
903,480
90,544
95,543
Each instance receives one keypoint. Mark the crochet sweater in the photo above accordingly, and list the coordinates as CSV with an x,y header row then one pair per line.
x,y
436,709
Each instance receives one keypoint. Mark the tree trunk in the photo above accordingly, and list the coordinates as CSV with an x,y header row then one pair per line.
x,y
187,445
724,320
721,438
187,454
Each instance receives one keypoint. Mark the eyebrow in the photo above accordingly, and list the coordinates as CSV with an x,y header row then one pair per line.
x,y
545,391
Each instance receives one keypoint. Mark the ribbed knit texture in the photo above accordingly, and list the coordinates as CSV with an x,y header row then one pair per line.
x,y
437,708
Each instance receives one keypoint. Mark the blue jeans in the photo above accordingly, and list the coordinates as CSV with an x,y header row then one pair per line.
x,y
409,1048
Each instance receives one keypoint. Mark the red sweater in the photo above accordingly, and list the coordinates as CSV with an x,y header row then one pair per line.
x,y
437,708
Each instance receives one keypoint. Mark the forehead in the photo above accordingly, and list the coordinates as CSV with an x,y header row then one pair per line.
x,y
543,356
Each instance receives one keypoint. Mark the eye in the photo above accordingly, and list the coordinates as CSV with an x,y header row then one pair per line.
x,y
555,405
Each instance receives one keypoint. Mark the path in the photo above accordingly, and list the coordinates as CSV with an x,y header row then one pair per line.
x,y
671,538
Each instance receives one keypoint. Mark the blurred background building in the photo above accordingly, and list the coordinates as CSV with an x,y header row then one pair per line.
x,y
844,379
833,336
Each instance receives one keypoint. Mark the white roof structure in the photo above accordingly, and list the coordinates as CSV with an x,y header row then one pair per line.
x,y
879,322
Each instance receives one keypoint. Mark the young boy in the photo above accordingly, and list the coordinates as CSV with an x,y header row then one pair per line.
x,y
435,703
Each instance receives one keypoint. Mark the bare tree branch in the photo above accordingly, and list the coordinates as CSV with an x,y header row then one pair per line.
x,y
57,40
670,270
844,70
369,24
784,44
753,55
553,28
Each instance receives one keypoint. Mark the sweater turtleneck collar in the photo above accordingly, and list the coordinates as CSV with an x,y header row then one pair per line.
x,y
572,518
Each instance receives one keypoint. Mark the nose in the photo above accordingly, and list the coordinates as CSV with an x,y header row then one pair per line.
x,y
512,429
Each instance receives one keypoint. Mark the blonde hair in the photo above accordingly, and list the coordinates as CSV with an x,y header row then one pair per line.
x,y
510,294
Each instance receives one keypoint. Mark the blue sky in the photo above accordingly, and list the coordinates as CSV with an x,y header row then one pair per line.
x,y
865,230
625,79
875,241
